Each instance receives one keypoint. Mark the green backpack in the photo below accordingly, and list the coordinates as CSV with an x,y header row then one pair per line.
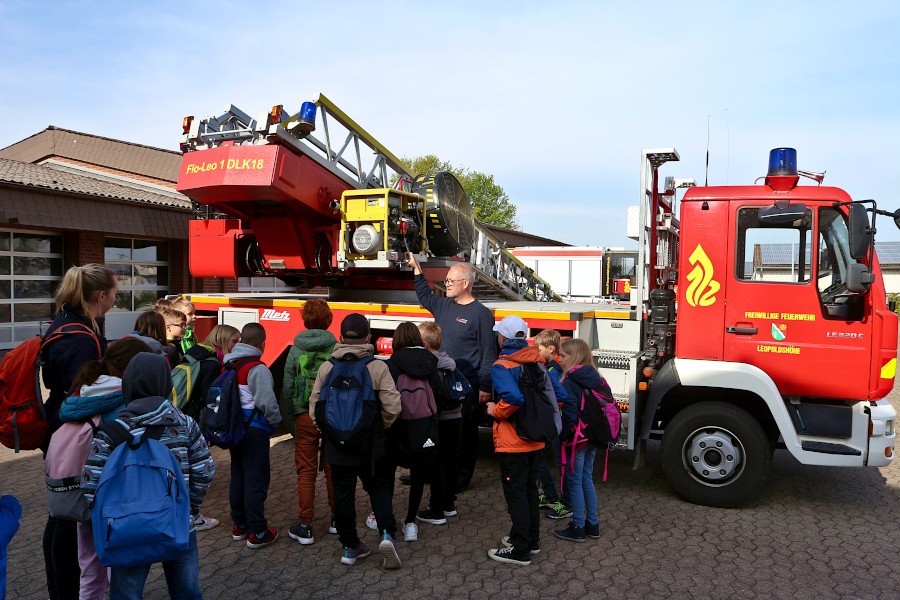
x,y
307,368
185,376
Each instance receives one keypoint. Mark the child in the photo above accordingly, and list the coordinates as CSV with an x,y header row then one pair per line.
x,y
443,479
410,358
370,464
146,384
96,391
10,513
311,348
188,338
222,339
579,376
547,343
518,456
250,469
175,326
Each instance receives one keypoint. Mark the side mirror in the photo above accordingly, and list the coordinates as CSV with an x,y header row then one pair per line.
x,y
860,233
782,214
858,278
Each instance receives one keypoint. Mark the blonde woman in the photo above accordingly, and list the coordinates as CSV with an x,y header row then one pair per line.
x,y
83,297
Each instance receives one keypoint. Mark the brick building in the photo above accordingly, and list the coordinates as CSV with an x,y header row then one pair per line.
x,y
71,198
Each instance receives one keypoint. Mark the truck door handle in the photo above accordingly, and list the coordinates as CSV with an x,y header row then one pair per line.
x,y
741,330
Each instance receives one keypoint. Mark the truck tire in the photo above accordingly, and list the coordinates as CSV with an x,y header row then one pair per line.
x,y
716,454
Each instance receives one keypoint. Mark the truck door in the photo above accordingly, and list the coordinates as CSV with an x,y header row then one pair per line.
x,y
789,314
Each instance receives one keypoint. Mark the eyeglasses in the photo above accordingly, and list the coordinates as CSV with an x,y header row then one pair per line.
x,y
179,325
452,281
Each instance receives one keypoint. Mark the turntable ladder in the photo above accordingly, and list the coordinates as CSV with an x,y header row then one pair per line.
x,y
345,150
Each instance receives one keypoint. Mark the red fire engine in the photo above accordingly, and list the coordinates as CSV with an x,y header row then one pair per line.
x,y
799,357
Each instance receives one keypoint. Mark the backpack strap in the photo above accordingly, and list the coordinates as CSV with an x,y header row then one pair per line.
x,y
118,432
70,328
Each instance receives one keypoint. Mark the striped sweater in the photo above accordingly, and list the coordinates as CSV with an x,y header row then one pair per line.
x,y
182,436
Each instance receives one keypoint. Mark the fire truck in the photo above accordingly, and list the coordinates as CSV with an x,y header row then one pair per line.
x,y
720,357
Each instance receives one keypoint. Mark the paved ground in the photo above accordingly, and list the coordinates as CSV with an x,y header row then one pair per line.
x,y
814,533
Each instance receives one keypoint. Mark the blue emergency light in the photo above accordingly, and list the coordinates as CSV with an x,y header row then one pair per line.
x,y
783,161
306,121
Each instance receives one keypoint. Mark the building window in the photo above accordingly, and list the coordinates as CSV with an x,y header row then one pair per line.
x,y
142,268
31,265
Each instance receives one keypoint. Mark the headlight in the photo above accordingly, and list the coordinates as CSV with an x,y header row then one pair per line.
x,y
366,239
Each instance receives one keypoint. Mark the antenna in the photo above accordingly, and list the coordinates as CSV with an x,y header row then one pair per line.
x,y
706,180
728,149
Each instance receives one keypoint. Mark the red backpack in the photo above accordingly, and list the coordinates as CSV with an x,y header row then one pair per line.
x,y
23,422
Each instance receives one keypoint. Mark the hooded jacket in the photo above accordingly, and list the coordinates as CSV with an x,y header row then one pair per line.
x,y
103,397
259,390
384,387
578,379
154,343
309,342
505,376
445,363
146,383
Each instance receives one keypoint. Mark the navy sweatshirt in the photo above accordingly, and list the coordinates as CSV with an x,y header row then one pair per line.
x,y
467,331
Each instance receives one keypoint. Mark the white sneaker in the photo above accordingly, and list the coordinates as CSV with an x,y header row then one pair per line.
x,y
410,532
201,523
372,522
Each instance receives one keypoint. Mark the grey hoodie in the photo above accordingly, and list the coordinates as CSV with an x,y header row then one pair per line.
x,y
261,385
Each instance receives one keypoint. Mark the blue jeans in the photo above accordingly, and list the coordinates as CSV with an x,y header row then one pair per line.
x,y
582,493
182,577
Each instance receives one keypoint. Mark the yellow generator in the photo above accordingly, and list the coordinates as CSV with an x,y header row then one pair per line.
x,y
378,227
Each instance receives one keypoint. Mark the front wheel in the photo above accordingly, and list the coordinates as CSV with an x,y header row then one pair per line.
x,y
716,454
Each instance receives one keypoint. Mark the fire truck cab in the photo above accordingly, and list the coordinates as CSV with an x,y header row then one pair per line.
x,y
796,351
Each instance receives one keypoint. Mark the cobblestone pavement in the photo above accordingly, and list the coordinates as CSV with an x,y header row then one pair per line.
x,y
815,532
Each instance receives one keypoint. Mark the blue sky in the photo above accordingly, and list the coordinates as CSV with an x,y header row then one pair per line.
x,y
555,99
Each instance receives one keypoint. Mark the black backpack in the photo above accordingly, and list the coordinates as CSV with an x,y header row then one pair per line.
x,y
538,418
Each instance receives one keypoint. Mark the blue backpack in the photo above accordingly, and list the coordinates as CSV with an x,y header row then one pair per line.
x,y
348,406
453,389
223,423
141,513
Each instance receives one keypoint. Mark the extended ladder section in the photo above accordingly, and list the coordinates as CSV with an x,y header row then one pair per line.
x,y
356,157
658,233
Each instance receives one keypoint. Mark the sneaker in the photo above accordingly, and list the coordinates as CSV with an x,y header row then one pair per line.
x,y
410,532
389,551
592,531
239,532
535,548
266,538
451,511
372,522
431,516
571,533
507,555
302,533
332,525
544,501
349,555
559,511
201,523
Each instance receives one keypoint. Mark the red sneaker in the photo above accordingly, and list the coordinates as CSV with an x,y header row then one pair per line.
x,y
266,538
239,533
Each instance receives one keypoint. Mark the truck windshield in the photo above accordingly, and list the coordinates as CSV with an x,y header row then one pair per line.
x,y
833,260
834,248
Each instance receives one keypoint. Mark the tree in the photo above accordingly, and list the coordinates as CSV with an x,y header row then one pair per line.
x,y
490,204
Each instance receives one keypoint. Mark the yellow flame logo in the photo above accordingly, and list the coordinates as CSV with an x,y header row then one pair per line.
x,y
702,288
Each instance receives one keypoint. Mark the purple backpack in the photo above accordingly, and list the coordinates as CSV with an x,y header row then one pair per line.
x,y
69,448
599,423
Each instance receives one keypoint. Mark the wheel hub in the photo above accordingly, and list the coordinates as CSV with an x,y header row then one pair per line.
x,y
713,455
